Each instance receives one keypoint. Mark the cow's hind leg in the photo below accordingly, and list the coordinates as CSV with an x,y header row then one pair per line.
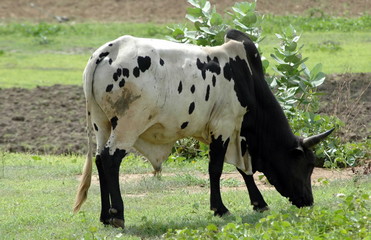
x,y
122,138
112,207
108,170
256,198
104,193
102,129
218,148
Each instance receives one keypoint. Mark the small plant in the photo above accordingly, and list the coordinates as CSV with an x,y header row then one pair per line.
x,y
346,218
295,86
41,31
209,26
188,149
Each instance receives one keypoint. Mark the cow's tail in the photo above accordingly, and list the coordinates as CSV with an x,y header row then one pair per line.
x,y
82,191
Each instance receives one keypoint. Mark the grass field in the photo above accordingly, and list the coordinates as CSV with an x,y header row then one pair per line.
x,y
47,54
37,193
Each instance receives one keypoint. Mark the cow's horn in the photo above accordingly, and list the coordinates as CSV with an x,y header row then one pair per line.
x,y
313,140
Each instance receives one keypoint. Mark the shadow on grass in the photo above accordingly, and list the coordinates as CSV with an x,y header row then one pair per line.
x,y
149,228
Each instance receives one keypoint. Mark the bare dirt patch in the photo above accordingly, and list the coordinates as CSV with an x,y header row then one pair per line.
x,y
161,11
320,176
51,120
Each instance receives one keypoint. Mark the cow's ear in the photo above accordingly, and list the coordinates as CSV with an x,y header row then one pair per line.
x,y
298,151
299,148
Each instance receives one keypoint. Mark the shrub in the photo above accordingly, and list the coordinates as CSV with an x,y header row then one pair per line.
x,y
294,84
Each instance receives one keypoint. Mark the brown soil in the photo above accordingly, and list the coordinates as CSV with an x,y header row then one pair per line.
x,y
52,119
160,11
320,176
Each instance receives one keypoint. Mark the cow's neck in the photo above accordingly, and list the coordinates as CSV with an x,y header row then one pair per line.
x,y
268,130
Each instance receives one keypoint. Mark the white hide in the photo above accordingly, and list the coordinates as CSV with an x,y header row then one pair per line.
x,y
150,109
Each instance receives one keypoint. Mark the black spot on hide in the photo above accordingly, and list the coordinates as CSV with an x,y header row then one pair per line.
x,y
191,108
162,62
144,63
118,72
136,72
207,93
211,65
201,66
110,44
184,125
240,72
227,71
193,88
125,72
180,87
95,127
214,80
115,77
103,54
114,122
110,61
122,83
109,88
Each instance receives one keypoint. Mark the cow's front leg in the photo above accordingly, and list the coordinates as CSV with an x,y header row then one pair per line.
x,y
218,148
111,167
256,198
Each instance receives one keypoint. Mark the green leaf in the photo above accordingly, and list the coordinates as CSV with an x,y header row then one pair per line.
x,y
241,25
291,47
296,39
316,69
194,14
320,78
216,19
194,3
206,6
280,61
208,30
178,33
249,19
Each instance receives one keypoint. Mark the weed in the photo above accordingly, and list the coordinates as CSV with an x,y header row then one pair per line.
x,y
347,219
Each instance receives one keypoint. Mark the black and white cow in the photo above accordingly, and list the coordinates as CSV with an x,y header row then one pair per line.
x,y
145,94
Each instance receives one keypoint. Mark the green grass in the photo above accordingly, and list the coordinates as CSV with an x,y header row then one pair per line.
x,y
338,52
28,70
45,54
37,193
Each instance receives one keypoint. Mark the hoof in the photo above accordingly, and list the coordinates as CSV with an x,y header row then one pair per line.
x,y
117,223
221,213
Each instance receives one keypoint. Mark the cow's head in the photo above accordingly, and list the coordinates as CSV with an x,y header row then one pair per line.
x,y
291,171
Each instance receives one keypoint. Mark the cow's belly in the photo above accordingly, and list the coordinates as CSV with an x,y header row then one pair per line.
x,y
159,134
